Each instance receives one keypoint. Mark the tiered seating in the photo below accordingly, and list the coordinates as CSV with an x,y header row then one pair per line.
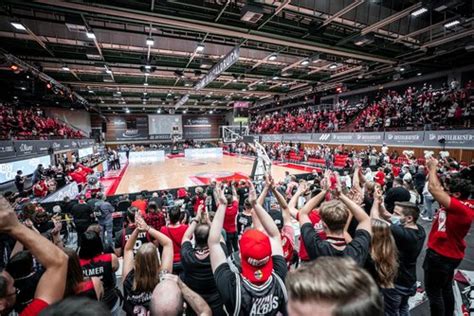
x,y
29,124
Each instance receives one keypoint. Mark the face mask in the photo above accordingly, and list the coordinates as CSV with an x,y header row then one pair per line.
x,y
395,220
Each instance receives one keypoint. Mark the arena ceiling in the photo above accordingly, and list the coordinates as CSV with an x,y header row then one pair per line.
x,y
144,55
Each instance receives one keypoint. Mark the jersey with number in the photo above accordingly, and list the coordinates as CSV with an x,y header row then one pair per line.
x,y
136,303
267,299
101,266
123,236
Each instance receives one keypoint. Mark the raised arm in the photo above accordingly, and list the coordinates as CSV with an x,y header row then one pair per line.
x,y
267,222
359,214
217,253
128,257
357,176
315,201
163,240
188,234
434,185
197,303
378,210
284,206
294,199
52,283
263,194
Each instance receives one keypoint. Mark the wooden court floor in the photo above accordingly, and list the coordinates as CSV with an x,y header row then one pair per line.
x,y
180,172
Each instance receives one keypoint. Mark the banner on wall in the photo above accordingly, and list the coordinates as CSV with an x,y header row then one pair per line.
x,y
460,138
25,148
404,138
127,128
201,127
452,138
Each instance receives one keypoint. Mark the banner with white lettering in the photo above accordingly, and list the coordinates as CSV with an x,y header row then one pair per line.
x,y
271,138
297,137
375,138
404,138
452,139
7,149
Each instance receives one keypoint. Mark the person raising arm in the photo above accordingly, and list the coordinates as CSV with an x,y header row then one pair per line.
x,y
52,283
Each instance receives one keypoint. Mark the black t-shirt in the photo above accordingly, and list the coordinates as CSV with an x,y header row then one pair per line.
x,y
60,179
226,284
121,237
243,193
198,276
243,222
409,243
135,302
82,214
357,249
398,194
19,183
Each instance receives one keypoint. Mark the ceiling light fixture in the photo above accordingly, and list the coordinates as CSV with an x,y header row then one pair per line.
x,y
210,112
65,68
90,35
200,48
273,57
145,84
275,78
419,12
150,41
158,111
419,74
18,26
452,23
304,62
333,66
127,111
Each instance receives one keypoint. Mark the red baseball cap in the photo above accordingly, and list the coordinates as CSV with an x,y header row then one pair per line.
x,y
256,256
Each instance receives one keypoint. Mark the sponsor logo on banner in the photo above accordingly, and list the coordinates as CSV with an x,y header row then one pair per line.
x,y
324,136
404,138
455,138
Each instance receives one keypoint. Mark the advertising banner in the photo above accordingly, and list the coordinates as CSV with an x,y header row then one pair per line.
x,y
146,156
404,138
8,170
297,137
127,128
201,127
25,147
7,149
375,138
271,137
457,139
71,190
201,153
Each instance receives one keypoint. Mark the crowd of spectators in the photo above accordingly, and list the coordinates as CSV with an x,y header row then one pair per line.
x,y
32,124
228,249
424,108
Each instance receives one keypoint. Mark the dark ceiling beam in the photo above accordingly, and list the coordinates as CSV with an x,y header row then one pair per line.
x,y
214,29
423,30
343,11
390,19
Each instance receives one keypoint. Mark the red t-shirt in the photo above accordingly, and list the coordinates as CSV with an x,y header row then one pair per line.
x,y
318,226
141,205
34,308
447,238
176,235
380,178
231,211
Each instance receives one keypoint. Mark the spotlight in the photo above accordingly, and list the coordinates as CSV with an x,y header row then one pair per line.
x,y
452,23
49,85
90,91
275,78
147,67
145,84
150,41
419,12
273,57
304,62
14,67
18,26
333,66
200,48
127,111
90,35
419,74
65,68
158,111
184,111
210,112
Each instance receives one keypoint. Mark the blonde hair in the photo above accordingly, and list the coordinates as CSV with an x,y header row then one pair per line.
x,y
334,214
147,266
384,253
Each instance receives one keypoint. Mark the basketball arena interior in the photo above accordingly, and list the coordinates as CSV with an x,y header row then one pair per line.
x,y
236,157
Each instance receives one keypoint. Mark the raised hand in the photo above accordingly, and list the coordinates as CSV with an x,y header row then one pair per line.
x,y
252,193
432,163
303,186
220,194
8,218
140,222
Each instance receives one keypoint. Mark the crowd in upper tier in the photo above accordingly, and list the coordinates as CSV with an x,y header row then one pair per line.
x,y
425,108
32,124
326,244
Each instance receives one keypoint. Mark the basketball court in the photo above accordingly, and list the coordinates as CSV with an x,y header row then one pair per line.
x,y
181,172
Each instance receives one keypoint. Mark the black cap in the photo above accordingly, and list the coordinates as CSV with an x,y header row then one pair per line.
x,y
277,218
